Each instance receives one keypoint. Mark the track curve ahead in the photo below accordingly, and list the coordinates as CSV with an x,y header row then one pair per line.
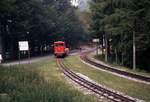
x,y
92,86
85,58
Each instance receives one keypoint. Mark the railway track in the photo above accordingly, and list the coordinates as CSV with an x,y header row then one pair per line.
x,y
92,86
85,58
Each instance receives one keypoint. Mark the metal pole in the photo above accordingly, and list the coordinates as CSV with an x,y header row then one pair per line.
x,y
106,45
103,44
97,48
19,57
134,52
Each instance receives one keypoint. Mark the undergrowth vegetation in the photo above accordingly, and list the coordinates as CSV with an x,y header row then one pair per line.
x,y
39,82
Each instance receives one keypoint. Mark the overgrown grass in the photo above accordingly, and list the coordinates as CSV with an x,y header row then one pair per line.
x,y
38,82
137,71
100,57
131,88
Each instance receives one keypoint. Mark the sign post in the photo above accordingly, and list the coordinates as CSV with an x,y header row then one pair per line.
x,y
96,41
24,46
19,57
29,56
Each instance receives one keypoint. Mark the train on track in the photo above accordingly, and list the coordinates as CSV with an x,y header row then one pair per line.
x,y
60,49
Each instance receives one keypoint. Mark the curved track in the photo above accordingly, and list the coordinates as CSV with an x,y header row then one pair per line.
x,y
91,86
85,58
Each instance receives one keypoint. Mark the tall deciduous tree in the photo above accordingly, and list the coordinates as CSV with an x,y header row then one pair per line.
x,y
41,22
119,19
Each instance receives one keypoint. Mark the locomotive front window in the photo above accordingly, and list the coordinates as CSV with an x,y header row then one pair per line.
x,y
59,44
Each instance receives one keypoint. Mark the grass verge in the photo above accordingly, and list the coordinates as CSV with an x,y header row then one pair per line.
x,y
131,88
38,82
137,71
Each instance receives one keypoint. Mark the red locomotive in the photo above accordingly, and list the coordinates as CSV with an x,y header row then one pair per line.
x,y
60,49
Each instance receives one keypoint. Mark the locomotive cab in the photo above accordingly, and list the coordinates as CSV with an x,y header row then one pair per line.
x,y
60,49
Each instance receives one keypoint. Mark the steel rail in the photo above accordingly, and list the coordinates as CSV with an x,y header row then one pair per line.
x,y
85,58
92,86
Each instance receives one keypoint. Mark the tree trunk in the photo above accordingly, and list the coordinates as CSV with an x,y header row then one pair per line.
x,y
103,44
122,59
134,52
116,56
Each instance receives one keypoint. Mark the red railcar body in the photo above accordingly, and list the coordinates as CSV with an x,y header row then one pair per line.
x,y
60,49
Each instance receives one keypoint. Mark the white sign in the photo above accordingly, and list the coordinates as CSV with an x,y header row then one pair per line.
x,y
95,40
1,57
23,45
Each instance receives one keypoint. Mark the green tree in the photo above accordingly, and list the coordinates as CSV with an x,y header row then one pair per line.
x,y
119,19
41,22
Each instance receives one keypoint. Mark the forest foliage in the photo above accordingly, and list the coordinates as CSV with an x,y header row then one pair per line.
x,y
119,20
41,22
